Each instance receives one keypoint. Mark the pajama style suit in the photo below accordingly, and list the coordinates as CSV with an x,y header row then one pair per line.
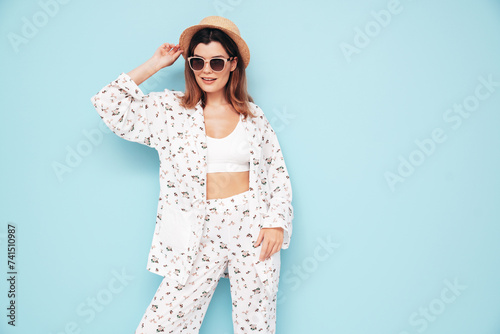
x,y
189,248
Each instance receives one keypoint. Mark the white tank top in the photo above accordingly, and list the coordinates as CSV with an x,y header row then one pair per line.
x,y
229,154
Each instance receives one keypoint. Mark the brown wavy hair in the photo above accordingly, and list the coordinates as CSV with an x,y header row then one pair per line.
x,y
236,87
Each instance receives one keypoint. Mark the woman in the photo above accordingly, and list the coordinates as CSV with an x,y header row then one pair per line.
x,y
225,195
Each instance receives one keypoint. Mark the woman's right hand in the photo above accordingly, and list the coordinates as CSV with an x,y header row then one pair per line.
x,y
166,55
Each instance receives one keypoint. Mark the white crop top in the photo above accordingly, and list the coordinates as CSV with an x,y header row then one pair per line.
x,y
229,154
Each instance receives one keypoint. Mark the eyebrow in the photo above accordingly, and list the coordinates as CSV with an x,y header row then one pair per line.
x,y
221,56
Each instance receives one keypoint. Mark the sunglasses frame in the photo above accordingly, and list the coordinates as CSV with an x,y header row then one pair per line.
x,y
205,63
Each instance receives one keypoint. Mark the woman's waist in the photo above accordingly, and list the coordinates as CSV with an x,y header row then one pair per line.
x,y
226,184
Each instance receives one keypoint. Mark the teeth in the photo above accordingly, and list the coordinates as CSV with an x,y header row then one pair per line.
x,y
208,79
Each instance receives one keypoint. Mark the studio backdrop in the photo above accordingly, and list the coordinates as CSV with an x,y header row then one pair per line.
x,y
388,116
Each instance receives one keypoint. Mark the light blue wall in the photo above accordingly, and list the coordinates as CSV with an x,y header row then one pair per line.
x,y
390,236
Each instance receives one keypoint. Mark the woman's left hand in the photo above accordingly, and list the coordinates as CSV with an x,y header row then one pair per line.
x,y
272,238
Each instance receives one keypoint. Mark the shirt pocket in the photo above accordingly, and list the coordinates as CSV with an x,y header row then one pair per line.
x,y
175,228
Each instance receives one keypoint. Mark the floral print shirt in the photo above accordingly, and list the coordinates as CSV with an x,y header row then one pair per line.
x,y
178,134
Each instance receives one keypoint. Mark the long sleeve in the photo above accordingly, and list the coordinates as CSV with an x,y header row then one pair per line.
x,y
280,212
127,111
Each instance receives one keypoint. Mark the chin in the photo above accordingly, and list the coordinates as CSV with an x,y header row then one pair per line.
x,y
209,88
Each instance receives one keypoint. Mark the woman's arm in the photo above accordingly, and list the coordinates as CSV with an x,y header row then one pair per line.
x,y
280,213
164,56
143,71
125,109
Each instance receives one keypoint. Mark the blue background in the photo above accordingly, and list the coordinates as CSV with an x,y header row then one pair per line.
x,y
420,256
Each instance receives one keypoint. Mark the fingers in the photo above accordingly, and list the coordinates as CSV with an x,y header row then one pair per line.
x,y
172,48
268,249
175,52
167,46
272,241
175,48
259,238
264,254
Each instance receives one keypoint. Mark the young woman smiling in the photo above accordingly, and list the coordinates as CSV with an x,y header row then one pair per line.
x,y
225,194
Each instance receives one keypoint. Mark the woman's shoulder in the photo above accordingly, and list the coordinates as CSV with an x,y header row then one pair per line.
x,y
172,95
177,94
256,110
259,116
172,99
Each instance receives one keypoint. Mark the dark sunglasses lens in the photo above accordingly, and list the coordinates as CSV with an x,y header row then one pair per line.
x,y
217,64
197,64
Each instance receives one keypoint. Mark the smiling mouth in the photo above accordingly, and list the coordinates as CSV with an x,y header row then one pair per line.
x,y
209,79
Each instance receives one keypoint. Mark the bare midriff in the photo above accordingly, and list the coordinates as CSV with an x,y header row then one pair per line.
x,y
219,123
226,184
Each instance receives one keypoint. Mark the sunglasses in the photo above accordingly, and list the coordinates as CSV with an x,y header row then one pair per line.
x,y
216,64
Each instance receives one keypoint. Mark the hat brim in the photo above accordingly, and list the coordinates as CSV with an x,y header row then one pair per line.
x,y
187,34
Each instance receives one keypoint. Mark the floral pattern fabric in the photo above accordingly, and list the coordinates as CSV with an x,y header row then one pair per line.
x,y
226,243
178,134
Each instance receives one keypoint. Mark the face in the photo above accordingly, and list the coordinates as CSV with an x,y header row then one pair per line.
x,y
208,80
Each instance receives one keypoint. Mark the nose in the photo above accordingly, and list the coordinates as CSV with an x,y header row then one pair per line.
x,y
206,67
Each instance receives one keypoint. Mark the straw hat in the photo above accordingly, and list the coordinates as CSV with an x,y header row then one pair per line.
x,y
223,24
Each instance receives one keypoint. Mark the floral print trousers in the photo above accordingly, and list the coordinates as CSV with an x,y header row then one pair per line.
x,y
226,251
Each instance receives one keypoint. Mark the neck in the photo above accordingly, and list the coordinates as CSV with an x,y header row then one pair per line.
x,y
216,99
